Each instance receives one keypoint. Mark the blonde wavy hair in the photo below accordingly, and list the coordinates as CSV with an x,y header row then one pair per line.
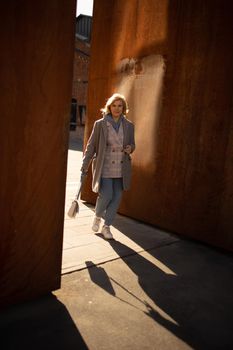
x,y
113,98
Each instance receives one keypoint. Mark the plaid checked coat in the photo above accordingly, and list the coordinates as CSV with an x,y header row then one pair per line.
x,y
96,151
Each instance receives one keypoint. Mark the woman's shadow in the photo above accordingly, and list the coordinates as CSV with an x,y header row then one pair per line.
x,y
182,296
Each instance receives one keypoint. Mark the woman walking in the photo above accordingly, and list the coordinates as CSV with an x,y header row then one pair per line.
x,y
109,148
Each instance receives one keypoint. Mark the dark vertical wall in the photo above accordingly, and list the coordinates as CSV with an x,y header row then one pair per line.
x,y
173,60
37,46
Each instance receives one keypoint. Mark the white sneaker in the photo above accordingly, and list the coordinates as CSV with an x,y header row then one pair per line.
x,y
96,224
106,232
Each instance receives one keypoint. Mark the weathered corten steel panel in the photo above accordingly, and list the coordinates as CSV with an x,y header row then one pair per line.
x,y
173,60
37,45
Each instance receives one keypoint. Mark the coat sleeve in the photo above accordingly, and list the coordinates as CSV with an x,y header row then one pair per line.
x,y
132,138
90,149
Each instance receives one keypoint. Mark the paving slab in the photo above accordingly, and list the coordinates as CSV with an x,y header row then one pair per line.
x,y
176,296
80,242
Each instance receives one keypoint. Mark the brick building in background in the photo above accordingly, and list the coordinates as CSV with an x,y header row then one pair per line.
x,y
80,70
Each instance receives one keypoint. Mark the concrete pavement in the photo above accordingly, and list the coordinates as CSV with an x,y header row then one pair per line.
x,y
146,289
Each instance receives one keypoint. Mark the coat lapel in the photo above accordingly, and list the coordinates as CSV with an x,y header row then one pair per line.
x,y
105,130
125,131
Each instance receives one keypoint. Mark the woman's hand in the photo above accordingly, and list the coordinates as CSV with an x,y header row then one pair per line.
x,y
128,149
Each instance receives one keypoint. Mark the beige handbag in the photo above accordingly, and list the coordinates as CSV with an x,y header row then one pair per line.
x,y
74,208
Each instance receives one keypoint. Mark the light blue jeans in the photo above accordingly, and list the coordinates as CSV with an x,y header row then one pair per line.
x,y
109,199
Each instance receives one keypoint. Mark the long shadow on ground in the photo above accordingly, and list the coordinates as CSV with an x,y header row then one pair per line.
x,y
198,296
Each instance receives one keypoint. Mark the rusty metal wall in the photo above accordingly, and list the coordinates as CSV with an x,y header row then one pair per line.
x,y
173,60
37,47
